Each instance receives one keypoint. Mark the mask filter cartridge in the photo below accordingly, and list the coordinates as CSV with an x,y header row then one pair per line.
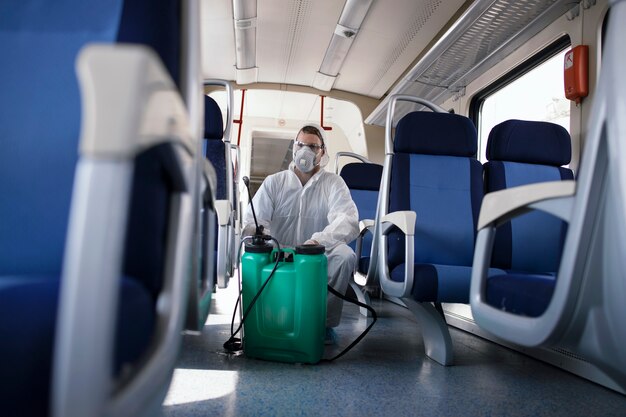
x,y
304,159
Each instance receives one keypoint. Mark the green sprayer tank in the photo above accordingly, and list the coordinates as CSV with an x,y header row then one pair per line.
x,y
288,320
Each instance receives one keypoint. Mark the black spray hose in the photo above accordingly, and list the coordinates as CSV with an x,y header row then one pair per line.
x,y
362,335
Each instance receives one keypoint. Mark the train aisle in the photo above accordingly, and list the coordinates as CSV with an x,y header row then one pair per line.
x,y
387,374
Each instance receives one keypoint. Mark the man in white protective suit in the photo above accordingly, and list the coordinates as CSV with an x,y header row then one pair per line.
x,y
307,205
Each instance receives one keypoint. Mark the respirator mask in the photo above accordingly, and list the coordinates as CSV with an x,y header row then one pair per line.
x,y
304,159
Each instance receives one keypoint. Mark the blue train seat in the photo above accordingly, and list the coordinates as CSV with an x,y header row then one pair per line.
x,y
431,196
215,148
218,151
86,225
586,310
528,247
363,181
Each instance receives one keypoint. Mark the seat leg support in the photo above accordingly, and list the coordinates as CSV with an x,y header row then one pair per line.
x,y
437,340
363,297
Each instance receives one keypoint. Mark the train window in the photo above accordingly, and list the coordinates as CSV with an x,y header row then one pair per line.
x,y
532,92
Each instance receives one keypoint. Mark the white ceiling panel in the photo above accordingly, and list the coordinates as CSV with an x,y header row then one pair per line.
x,y
389,41
292,38
218,39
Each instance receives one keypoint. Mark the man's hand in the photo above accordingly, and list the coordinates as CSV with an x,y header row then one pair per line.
x,y
311,242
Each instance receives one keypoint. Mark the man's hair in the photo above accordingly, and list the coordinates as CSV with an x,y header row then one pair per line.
x,y
312,130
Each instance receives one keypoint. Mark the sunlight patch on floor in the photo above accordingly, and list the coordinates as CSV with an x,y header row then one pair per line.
x,y
227,301
193,385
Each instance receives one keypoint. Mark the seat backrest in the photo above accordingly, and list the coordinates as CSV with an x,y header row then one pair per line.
x,y
435,174
39,135
40,121
520,153
38,82
363,181
215,148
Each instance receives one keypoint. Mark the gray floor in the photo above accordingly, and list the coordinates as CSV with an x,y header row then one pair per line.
x,y
385,375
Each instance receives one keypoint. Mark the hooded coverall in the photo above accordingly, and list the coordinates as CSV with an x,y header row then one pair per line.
x,y
321,210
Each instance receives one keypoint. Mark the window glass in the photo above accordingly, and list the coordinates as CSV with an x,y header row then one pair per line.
x,y
536,95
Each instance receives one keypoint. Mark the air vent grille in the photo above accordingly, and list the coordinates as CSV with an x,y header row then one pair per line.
x,y
492,29
486,33
299,11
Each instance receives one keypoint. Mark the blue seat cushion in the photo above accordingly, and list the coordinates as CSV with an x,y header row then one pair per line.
x,y
440,283
28,310
522,294
445,283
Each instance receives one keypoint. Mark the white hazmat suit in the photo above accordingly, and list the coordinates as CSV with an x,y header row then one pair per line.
x,y
321,210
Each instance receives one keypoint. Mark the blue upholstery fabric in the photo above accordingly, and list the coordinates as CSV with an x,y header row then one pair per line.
x,y
26,348
215,152
531,242
362,176
531,142
156,177
363,264
27,353
523,294
365,201
39,132
435,134
41,112
213,122
214,146
529,247
435,174
159,29
363,180
440,192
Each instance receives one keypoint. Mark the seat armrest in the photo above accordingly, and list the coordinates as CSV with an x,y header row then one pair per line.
x,y
500,206
405,221
552,197
129,102
224,210
366,224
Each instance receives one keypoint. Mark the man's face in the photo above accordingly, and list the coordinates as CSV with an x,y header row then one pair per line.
x,y
312,141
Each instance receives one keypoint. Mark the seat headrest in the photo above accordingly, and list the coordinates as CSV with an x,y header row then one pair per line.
x,y
529,142
157,24
362,176
436,134
213,123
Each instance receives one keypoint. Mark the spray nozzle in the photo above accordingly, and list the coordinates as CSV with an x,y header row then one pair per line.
x,y
259,238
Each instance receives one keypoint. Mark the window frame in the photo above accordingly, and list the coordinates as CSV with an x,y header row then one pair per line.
x,y
476,104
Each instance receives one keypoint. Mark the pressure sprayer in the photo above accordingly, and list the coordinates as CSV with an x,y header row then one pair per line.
x,y
283,294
